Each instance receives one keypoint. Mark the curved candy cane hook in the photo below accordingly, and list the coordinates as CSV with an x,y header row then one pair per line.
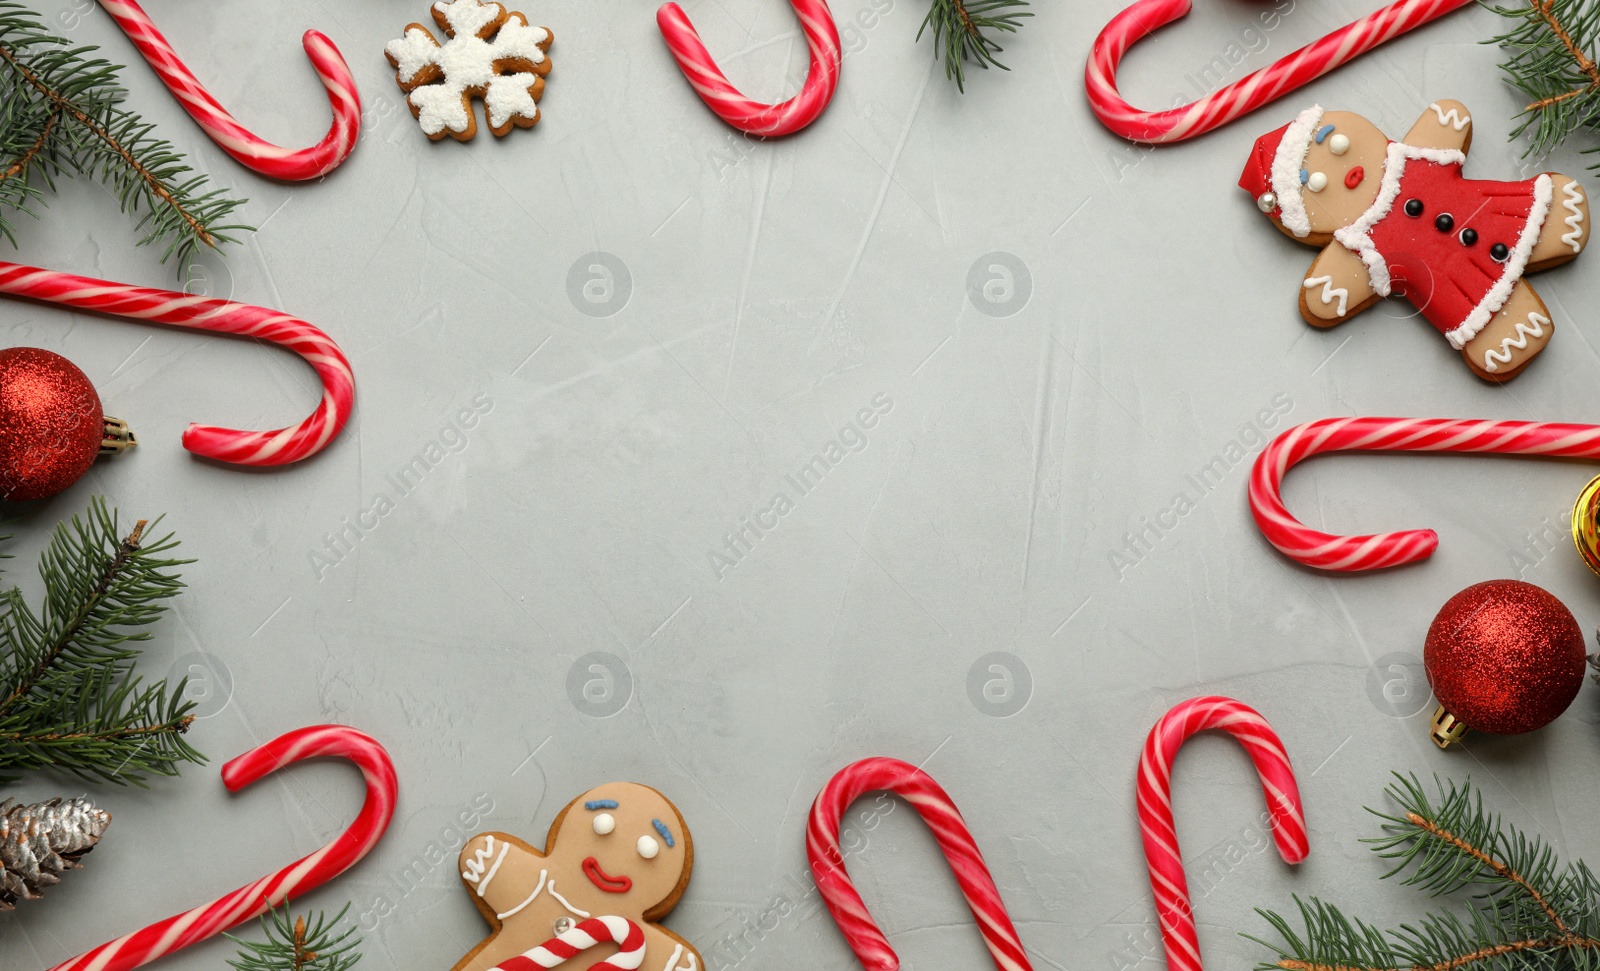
x,y
1246,94
1167,879
249,150
935,807
301,877
558,950
1327,551
279,447
822,37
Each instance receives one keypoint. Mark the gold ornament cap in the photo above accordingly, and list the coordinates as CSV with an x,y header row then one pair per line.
x,y
1586,524
118,437
1446,729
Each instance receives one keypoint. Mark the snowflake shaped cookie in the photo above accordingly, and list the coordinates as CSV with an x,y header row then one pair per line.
x,y
489,54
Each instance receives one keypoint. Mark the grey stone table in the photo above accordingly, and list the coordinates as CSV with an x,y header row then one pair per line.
x,y
619,341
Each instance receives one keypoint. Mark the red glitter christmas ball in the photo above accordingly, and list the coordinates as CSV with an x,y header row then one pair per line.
x,y
1503,657
51,423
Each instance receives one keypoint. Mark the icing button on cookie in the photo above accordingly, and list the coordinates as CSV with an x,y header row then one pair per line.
x,y
1444,223
1413,207
1499,252
1468,237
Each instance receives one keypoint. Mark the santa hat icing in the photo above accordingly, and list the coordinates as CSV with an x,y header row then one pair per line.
x,y
1275,167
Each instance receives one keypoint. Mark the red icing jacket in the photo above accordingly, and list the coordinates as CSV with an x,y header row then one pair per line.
x,y
1453,246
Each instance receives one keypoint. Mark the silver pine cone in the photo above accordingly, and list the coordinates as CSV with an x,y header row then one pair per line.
x,y
39,842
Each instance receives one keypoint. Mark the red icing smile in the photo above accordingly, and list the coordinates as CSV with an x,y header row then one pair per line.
x,y
604,880
1354,176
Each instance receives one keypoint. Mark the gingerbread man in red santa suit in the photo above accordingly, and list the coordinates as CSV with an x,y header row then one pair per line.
x,y
1401,218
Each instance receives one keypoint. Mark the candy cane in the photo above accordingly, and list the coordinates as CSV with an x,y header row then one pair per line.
x,y
1246,94
734,108
278,447
253,900
935,807
251,151
627,935
1328,551
1167,879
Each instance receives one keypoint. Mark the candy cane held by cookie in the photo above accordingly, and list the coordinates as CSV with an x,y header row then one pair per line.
x,y
280,447
1327,551
254,899
1167,879
935,807
627,935
251,151
719,94
1247,94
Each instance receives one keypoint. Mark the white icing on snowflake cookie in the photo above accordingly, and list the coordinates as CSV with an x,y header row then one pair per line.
x,y
488,54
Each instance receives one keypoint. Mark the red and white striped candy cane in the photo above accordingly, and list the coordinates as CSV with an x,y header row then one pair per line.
x,y
1246,94
279,447
1327,551
935,807
627,935
251,151
1167,879
754,117
254,899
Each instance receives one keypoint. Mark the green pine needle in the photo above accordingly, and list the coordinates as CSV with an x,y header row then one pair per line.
x,y
68,696
1523,911
964,29
61,113
1551,61
298,945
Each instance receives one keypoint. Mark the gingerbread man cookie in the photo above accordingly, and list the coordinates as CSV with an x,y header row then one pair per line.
x,y
1400,218
618,853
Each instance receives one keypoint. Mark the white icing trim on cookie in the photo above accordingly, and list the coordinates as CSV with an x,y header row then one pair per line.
x,y
672,962
1357,237
1572,196
1286,165
543,875
1543,191
414,52
1329,291
565,903
1519,340
474,872
1452,117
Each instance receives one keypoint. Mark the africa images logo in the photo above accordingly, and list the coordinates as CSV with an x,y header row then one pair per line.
x,y
739,541
1251,437
451,439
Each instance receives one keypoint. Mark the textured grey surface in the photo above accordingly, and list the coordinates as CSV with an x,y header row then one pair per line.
x,y
775,291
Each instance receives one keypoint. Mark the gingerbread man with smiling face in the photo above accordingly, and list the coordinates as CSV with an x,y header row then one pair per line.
x,y
618,850
1401,218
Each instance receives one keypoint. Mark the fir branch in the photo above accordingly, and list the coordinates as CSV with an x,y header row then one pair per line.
x,y
25,160
1528,913
959,31
62,111
1545,9
1549,45
299,946
68,696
